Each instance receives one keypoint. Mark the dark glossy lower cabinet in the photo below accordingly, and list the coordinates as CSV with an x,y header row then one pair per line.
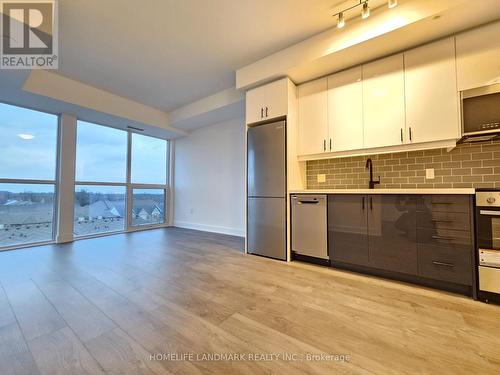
x,y
392,233
348,229
427,238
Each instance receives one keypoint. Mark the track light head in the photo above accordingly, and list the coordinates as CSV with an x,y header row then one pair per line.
x,y
340,20
365,13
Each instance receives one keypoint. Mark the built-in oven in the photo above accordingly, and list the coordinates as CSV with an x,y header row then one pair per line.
x,y
488,244
481,113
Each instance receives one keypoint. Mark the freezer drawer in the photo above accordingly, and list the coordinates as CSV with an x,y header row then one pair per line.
x,y
309,225
266,232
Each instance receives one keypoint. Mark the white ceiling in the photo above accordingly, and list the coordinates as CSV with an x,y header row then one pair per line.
x,y
168,53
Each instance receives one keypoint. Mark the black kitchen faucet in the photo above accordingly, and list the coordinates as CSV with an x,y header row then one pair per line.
x,y
372,183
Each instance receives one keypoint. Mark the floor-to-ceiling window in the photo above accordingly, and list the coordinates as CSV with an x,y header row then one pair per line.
x,y
149,179
121,180
100,179
28,154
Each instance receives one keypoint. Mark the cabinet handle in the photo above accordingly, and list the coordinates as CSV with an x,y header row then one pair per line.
x,y
324,144
266,111
442,221
401,135
262,113
410,135
363,203
443,264
371,203
330,144
443,238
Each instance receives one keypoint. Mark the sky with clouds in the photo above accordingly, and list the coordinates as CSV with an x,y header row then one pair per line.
x,y
28,144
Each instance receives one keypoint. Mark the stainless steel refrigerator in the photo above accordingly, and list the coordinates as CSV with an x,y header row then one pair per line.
x,y
266,203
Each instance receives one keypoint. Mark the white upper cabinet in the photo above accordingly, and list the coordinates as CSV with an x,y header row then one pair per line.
x,y
431,93
313,117
255,100
478,57
345,109
267,102
383,102
276,99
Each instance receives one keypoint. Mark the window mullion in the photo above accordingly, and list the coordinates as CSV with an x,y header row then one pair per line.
x,y
129,187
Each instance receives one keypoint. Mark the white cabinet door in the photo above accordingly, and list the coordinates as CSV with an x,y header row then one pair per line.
x,y
431,92
478,57
313,117
383,102
345,110
276,104
255,100
267,102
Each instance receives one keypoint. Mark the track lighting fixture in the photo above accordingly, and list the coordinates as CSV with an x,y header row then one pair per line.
x,y
365,12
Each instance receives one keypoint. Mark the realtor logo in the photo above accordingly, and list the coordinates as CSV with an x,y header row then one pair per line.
x,y
29,34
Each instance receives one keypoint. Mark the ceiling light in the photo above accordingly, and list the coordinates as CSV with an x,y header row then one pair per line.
x,y
341,21
26,136
392,3
365,13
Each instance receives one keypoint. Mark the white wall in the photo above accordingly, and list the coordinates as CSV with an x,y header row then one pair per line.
x,y
210,179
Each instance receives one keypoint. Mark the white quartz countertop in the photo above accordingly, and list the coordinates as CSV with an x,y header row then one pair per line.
x,y
466,191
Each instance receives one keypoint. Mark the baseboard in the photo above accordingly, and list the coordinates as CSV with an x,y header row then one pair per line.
x,y
210,228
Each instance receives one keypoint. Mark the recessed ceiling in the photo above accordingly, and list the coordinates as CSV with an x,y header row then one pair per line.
x,y
168,53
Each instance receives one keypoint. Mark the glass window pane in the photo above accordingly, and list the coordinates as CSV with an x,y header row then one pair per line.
x,y
28,144
99,209
148,206
149,160
101,153
26,213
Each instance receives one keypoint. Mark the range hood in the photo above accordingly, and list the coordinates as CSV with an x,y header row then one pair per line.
x,y
472,138
481,114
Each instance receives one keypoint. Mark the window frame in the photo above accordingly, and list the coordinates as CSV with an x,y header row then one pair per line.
x,y
129,188
54,182
96,183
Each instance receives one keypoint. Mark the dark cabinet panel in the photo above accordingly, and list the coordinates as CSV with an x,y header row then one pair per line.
x,y
348,229
453,239
443,220
393,233
426,237
444,203
445,263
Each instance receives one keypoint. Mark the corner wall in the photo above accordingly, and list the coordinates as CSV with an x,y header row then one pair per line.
x,y
210,179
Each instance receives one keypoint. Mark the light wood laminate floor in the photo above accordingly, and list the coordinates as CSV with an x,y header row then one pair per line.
x,y
104,305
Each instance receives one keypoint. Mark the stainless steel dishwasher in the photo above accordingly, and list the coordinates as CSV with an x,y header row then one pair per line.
x,y
309,227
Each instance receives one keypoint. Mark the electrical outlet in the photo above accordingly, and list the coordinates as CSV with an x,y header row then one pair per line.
x,y
429,174
321,178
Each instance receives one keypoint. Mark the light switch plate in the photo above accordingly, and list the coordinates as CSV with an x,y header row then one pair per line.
x,y
321,178
429,173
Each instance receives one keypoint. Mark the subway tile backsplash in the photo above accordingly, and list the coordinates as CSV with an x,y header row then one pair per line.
x,y
468,165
